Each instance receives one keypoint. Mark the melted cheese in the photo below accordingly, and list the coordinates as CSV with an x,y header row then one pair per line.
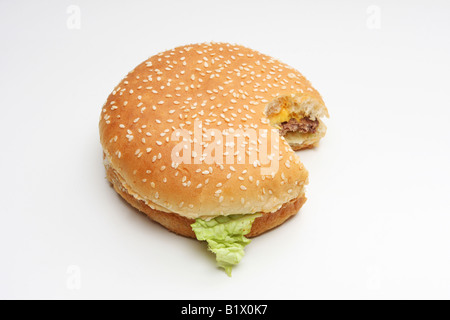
x,y
283,116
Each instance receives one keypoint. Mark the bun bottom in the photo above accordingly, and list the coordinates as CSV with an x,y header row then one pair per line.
x,y
300,141
182,225
300,146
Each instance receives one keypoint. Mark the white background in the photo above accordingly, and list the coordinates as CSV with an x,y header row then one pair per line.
x,y
377,221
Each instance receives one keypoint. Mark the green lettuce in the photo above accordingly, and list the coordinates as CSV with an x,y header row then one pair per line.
x,y
225,236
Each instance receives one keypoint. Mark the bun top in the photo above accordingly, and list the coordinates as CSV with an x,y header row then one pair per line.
x,y
185,131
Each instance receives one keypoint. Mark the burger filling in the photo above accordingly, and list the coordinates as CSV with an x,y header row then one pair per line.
x,y
225,236
290,122
304,125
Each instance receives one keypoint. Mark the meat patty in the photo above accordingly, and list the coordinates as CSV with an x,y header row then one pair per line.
x,y
304,125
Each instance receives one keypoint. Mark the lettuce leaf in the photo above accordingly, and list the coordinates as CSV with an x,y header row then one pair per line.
x,y
225,236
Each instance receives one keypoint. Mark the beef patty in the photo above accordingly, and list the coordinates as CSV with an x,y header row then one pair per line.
x,y
304,125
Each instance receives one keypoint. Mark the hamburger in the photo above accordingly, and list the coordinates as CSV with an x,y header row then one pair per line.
x,y
201,139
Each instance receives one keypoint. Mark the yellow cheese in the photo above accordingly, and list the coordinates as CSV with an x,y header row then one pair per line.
x,y
283,116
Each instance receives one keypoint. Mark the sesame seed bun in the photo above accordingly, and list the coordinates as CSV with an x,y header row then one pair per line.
x,y
210,87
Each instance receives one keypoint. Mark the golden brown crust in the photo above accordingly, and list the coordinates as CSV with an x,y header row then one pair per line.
x,y
304,147
269,221
182,225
